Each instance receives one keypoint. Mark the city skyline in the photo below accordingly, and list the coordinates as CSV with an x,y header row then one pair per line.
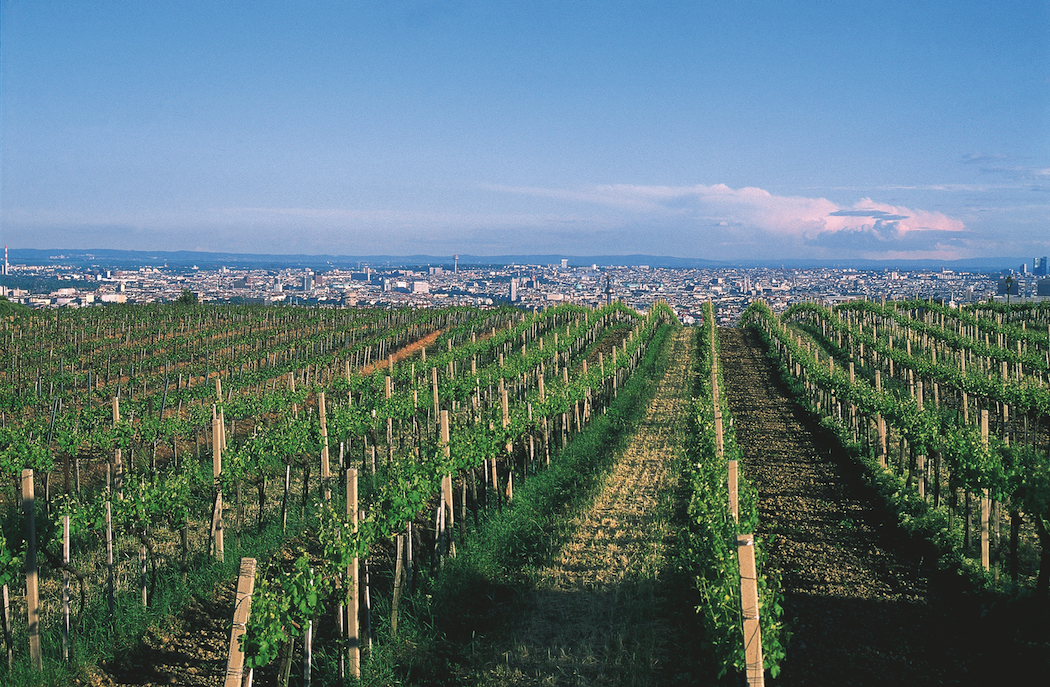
x,y
757,131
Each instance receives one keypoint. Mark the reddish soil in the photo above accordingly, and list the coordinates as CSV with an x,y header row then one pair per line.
x,y
402,353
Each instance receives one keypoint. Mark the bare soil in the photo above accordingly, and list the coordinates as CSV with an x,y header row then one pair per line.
x,y
864,605
404,352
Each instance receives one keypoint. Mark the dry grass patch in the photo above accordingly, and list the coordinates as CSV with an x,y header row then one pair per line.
x,y
594,616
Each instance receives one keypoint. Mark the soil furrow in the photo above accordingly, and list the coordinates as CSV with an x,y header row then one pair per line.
x,y
858,598
593,617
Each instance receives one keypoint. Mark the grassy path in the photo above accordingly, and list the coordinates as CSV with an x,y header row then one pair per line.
x,y
600,612
859,601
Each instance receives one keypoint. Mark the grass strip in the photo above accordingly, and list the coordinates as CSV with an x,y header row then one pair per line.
x,y
470,595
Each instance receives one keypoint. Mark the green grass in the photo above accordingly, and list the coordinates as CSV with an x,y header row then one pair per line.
x,y
471,594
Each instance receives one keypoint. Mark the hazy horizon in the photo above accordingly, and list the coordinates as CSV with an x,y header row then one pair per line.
x,y
743,131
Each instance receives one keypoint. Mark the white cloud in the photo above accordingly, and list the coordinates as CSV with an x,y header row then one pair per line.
x,y
797,217
700,221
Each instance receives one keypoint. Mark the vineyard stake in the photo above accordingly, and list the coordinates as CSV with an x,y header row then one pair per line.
x,y
434,383
367,601
216,517
446,484
118,462
353,613
734,507
241,612
284,499
749,610
65,588
398,575
409,568
308,652
920,459
32,590
8,639
109,557
326,473
985,553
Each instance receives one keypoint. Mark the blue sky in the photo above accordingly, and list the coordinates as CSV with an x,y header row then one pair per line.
x,y
723,130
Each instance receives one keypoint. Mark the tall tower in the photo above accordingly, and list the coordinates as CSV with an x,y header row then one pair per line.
x,y
455,263
7,270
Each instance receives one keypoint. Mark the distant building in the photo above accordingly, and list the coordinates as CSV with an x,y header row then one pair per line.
x,y
1040,268
420,287
1008,286
1042,287
514,290
308,282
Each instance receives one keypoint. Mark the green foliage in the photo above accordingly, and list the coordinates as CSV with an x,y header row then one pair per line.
x,y
8,309
11,561
710,550
1013,475
283,603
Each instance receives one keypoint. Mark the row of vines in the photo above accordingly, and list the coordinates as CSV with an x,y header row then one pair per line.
x,y
148,428
722,505
953,404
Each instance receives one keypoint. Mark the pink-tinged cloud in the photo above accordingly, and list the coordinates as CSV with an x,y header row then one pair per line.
x,y
796,216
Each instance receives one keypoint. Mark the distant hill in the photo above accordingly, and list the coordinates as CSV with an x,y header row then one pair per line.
x,y
109,258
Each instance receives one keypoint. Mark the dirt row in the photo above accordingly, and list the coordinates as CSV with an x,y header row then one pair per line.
x,y
603,611
864,605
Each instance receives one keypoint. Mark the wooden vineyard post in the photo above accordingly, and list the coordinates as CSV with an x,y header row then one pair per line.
x,y
389,419
985,553
880,422
109,556
65,589
399,573
446,486
719,440
434,384
241,613
920,460
509,446
745,546
8,639
32,589
353,613
118,461
284,499
734,502
216,515
326,471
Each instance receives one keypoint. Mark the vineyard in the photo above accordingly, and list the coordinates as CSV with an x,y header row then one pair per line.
x,y
363,494
163,439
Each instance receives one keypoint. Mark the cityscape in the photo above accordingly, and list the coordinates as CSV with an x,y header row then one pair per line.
x,y
529,286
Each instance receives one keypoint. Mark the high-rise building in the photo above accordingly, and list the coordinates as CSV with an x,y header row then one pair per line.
x,y
1008,286
514,290
1040,267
